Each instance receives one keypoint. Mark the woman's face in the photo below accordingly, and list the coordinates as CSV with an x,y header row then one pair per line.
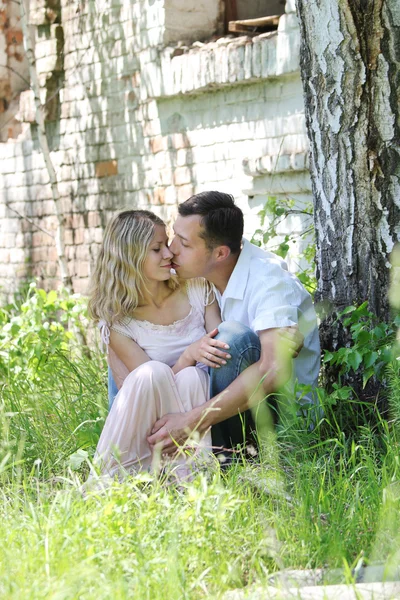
x,y
157,265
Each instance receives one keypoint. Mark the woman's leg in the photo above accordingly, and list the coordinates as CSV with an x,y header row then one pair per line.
x,y
148,393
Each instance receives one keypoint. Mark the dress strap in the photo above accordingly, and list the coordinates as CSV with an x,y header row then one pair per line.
x,y
200,293
104,335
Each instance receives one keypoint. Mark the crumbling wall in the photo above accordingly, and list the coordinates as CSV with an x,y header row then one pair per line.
x,y
135,122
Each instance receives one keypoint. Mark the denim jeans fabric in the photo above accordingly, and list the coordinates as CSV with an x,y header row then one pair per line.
x,y
112,389
245,349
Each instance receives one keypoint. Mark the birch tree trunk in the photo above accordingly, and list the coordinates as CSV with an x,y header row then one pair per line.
x,y
350,66
30,54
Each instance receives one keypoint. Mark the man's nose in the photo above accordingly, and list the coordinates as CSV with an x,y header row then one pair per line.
x,y
173,247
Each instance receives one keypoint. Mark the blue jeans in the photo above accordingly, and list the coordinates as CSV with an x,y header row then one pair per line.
x,y
245,349
112,389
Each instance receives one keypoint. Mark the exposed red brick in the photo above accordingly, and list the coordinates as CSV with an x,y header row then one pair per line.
x,y
14,36
3,19
159,196
106,168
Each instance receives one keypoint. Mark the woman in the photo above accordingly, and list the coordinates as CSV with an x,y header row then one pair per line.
x,y
155,329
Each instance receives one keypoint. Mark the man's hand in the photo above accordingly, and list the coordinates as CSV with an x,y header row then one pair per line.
x,y
207,351
170,430
292,340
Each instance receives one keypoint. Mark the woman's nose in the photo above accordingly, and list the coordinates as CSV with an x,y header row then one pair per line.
x,y
167,253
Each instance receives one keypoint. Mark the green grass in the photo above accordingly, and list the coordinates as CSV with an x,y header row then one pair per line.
x,y
324,498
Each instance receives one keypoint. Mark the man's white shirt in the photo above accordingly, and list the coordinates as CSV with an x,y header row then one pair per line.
x,y
262,294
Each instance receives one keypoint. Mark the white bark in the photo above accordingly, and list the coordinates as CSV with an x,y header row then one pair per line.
x,y
30,54
351,79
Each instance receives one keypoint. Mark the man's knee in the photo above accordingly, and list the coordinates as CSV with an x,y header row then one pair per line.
x,y
244,348
237,334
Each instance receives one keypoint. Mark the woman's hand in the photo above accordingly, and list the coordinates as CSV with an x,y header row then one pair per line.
x,y
207,351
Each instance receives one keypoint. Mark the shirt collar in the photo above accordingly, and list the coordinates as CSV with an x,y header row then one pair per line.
x,y
238,280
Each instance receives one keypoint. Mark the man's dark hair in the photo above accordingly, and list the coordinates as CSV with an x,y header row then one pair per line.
x,y
222,220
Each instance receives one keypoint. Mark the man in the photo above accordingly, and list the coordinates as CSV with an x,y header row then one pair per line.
x,y
266,316
263,308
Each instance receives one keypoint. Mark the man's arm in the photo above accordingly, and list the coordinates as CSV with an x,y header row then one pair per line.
x,y
273,370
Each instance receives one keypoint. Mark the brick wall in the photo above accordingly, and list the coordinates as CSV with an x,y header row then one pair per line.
x,y
137,120
13,69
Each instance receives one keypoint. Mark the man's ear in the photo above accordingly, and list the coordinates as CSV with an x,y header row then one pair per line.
x,y
222,253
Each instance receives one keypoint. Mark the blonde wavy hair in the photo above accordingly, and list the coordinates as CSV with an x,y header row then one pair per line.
x,y
118,284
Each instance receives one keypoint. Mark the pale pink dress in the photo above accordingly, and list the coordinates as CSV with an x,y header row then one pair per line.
x,y
152,390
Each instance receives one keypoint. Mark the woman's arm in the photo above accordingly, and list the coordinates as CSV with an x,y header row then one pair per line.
x,y
205,350
127,350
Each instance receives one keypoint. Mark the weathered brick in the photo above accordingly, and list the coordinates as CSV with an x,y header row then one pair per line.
x,y
68,236
70,252
182,175
4,256
179,140
157,144
158,196
77,221
80,285
184,192
8,240
79,235
94,219
98,235
82,268
82,253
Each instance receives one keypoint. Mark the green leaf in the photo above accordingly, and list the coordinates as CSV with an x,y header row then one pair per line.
x,y
367,376
42,294
354,359
282,250
51,297
370,358
378,332
77,459
363,337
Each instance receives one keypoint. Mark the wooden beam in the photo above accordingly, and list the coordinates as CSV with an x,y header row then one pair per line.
x,y
248,25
